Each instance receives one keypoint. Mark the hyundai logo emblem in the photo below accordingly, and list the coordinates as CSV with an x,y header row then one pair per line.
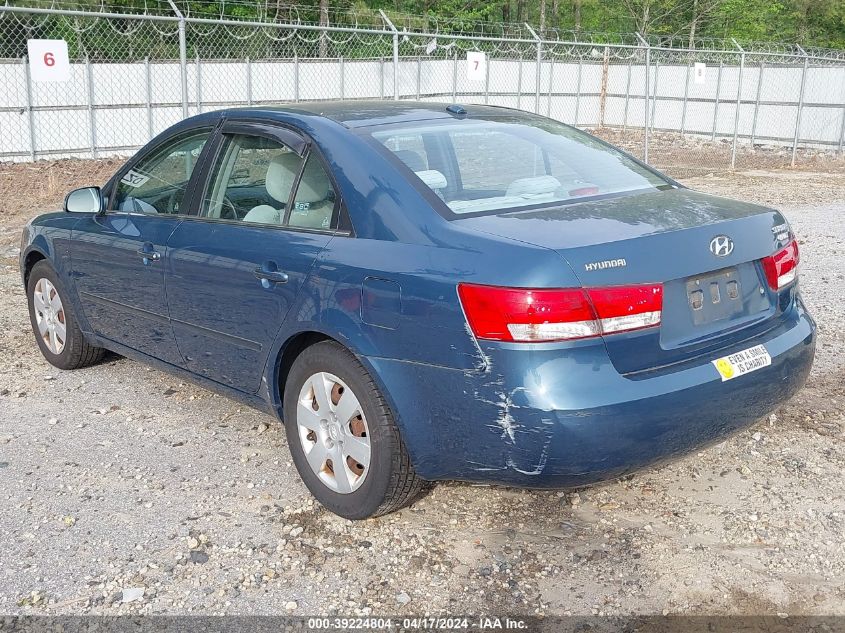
x,y
721,246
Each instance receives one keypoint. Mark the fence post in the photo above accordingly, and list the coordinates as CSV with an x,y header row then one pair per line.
x,y
149,91
757,102
551,86
248,81
800,106
578,93
89,91
738,102
296,77
455,77
395,53
29,113
199,84
654,93
487,80
519,85
537,72
686,96
646,95
419,76
396,67
183,56
716,104
342,70
381,78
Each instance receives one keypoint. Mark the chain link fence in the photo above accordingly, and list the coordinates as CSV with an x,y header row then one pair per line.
x,y
719,106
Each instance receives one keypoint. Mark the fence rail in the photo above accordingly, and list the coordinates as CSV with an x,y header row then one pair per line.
x,y
132,76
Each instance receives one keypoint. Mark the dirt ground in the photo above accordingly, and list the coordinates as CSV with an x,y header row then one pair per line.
x,y
127,491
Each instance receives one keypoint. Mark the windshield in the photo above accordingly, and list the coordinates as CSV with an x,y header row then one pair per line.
x,y
482,165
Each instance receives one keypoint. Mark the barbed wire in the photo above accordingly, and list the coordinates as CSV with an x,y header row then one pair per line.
x,y
367,29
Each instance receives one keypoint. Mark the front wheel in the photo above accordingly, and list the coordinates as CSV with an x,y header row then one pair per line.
x,y
342,436
54,323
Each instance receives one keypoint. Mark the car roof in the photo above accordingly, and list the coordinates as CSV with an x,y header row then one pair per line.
x,y
360,114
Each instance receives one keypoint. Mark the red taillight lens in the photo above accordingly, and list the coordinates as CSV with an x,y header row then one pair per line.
x,y
782,268
537,315
625,308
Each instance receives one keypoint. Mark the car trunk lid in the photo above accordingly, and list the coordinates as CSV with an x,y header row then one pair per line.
x,y
712,297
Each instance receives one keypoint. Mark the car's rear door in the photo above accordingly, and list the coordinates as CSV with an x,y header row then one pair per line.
x,y
266,209
118,257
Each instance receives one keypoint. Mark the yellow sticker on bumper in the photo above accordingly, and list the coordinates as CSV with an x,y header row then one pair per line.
x,y
743,362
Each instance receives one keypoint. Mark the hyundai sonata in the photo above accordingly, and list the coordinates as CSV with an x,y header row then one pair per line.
x,y
426,292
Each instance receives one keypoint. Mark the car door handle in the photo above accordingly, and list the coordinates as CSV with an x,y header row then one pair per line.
x,y
150,255
272,276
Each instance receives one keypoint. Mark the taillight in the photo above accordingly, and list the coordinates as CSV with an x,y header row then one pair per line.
x,y
542,315
782,268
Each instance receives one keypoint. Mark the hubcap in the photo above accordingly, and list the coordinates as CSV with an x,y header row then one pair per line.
x,y
49,315
333,432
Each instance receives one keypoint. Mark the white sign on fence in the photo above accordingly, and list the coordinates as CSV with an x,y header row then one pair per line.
x,y
476,65
700,73
48,60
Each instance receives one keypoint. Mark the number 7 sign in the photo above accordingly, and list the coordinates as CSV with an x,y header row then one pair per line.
x,y
476,66
48,60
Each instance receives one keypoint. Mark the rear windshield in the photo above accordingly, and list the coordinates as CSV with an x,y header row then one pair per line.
x,y
479,166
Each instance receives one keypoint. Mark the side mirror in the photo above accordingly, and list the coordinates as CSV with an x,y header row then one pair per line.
x,y
85,200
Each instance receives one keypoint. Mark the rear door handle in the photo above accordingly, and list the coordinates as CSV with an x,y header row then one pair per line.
x,y
270,276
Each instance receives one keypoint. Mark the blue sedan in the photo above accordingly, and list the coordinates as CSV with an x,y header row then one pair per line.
x,y
426,292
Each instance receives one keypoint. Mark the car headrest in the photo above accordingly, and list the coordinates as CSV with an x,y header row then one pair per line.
x,y
281,174
432,178
413,160
315,185
531,187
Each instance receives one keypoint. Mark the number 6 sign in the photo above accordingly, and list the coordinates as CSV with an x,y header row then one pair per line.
x,y
48,60
476,66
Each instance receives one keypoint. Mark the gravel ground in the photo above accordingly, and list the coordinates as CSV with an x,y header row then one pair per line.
x,y
127,491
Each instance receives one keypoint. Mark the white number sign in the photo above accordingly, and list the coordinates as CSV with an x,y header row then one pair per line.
x,y
48,60
700,73
476,66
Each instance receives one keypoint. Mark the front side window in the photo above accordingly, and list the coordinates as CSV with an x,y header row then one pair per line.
x,y
479,166
252,181
157,183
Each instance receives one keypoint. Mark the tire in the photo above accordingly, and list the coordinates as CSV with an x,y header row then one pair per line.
x,y
68,350
388,482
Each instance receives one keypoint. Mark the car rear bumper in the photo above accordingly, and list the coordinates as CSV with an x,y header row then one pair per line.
x,y
552,417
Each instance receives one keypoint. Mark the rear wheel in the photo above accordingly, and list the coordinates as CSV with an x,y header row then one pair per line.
x,y
342,436
53,322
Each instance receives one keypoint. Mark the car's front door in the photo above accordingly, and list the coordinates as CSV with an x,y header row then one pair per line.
x,y
118,257
234,270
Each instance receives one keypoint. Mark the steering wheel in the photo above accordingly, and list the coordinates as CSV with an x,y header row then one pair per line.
x,y
228,208
172,201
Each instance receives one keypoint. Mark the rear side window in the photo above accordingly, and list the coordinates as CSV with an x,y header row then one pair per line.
x,y
478,166
260,180
313,206
252,181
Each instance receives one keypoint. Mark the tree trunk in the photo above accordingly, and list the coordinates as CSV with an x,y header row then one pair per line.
x,y
542,17
693,24
556,13
506,12
520,11
576,11
324,21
